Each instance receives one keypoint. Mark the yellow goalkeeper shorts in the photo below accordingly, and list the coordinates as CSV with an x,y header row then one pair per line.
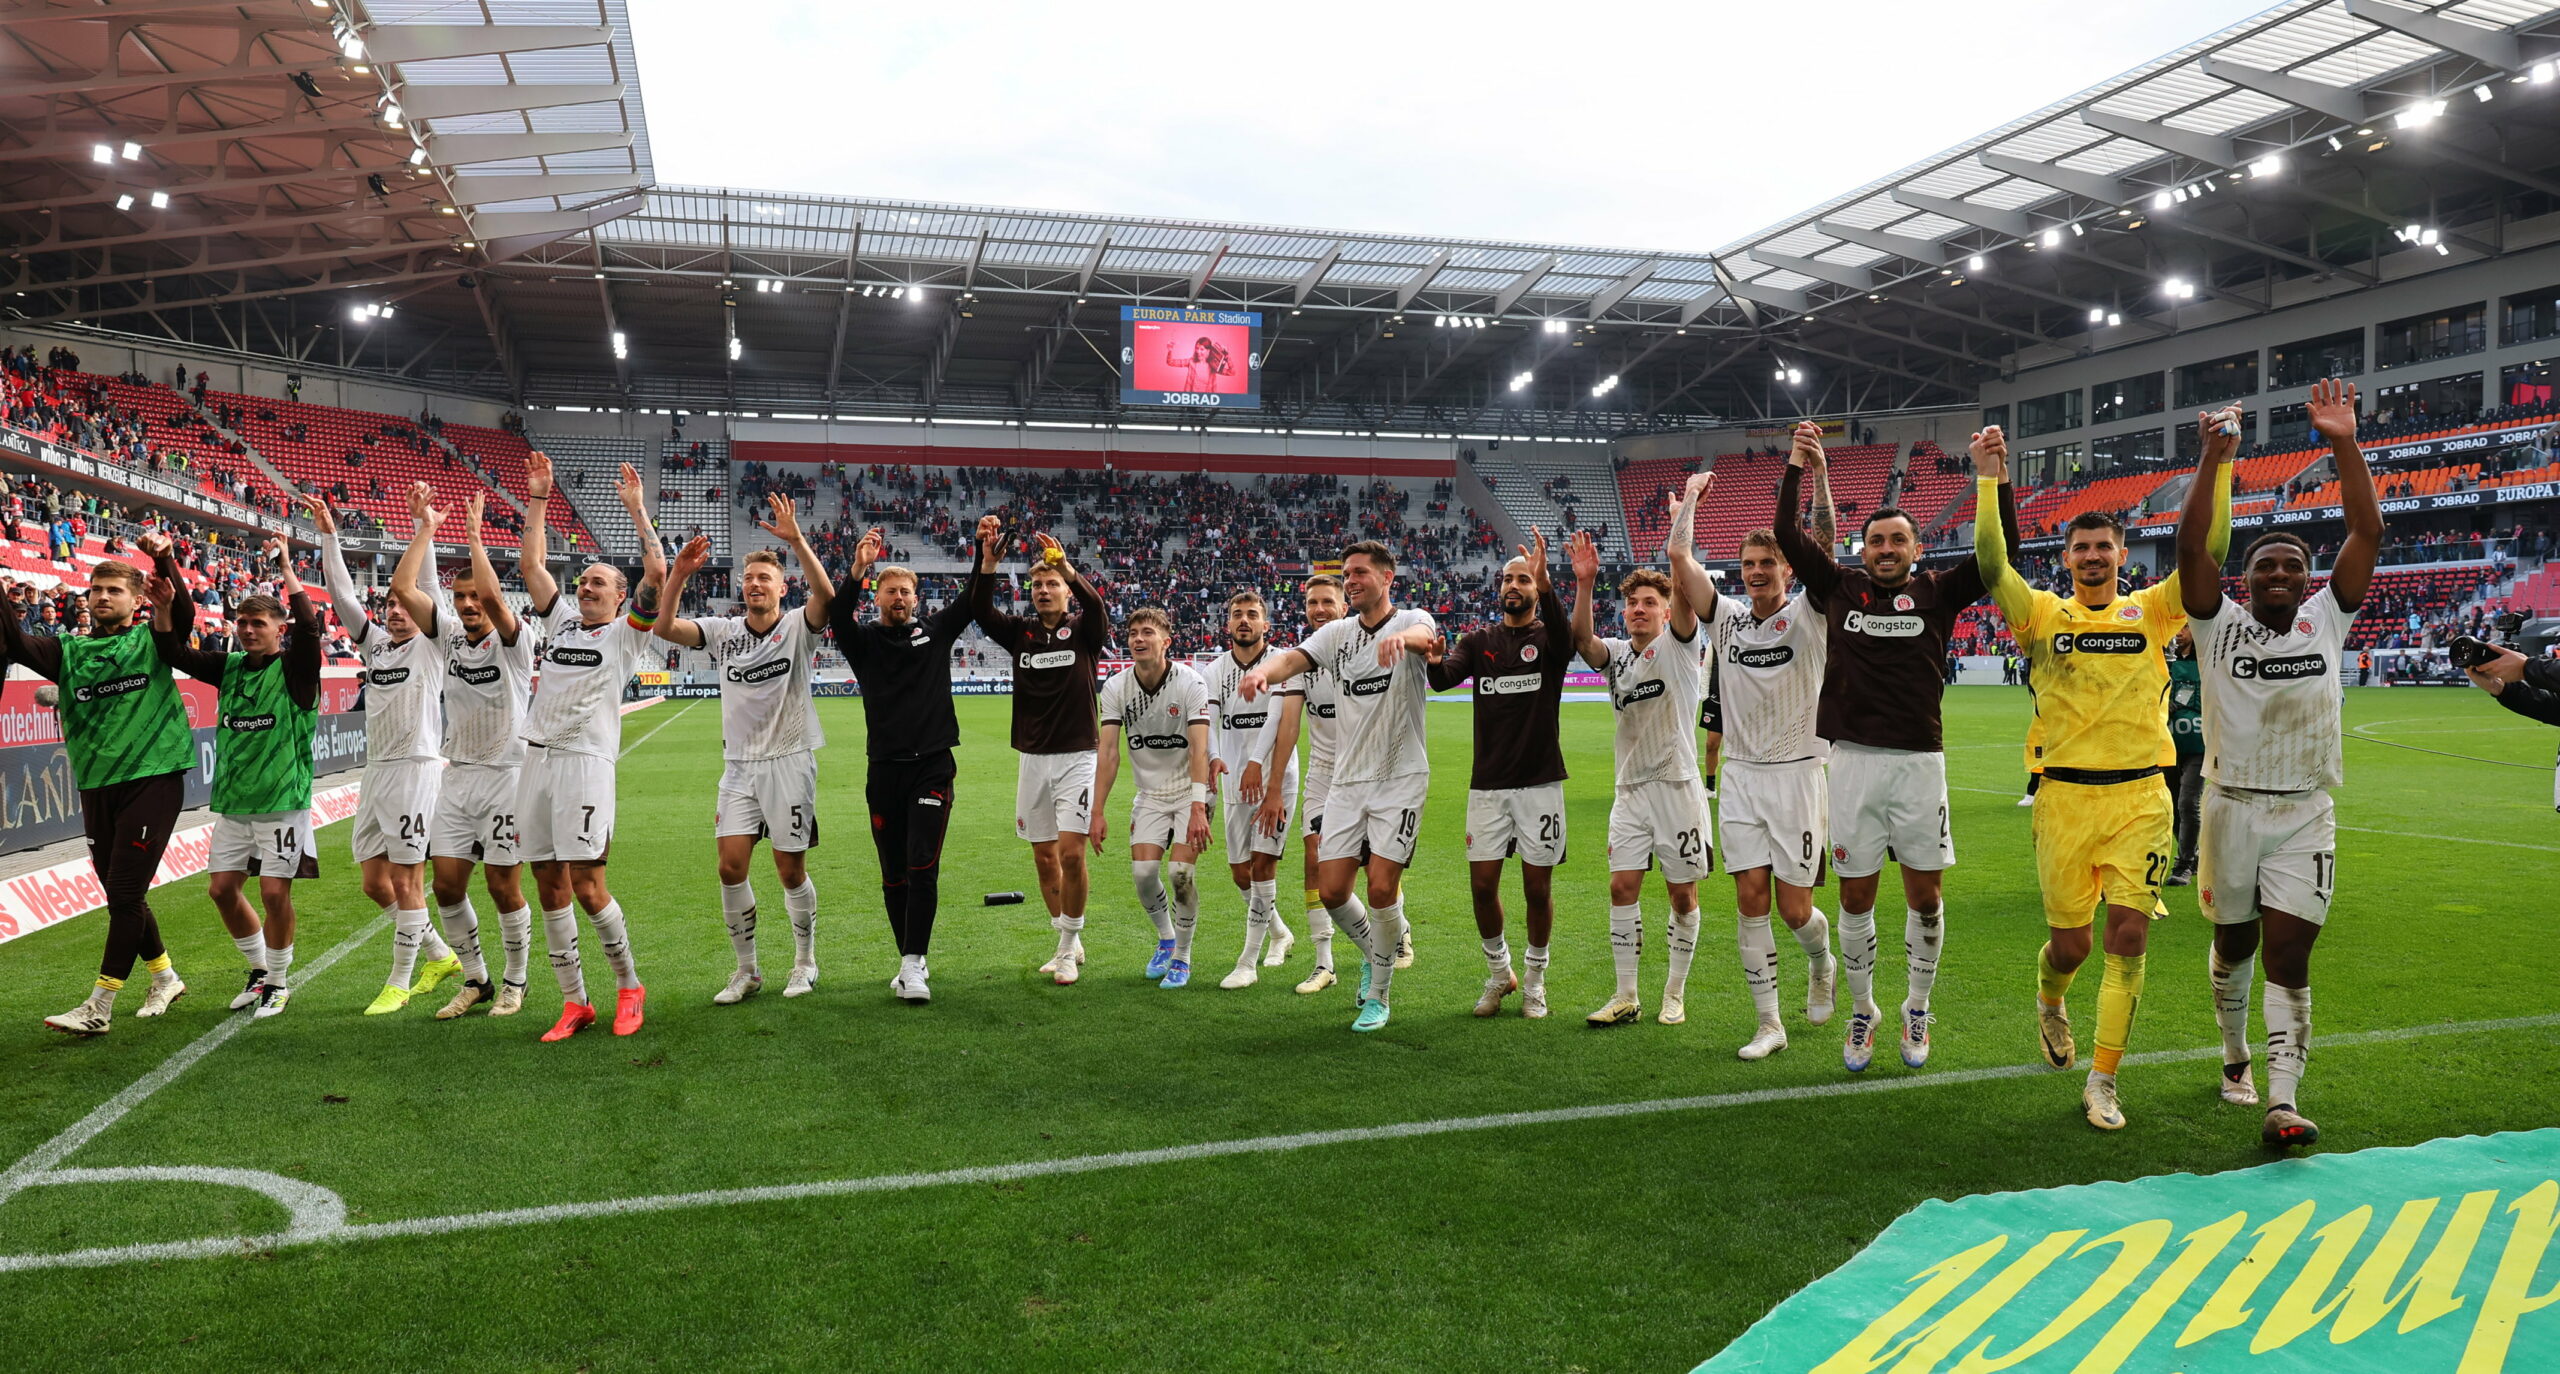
x,y
2112,843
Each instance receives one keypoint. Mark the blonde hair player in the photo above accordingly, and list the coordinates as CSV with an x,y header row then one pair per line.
x,y
769,739
1161,708
1658,812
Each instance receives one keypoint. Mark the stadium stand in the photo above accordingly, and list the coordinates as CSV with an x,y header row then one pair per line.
x,y
499,455
1559,487
583,467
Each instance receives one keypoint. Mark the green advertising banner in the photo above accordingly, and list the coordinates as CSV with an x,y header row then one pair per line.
x,y
2424,1260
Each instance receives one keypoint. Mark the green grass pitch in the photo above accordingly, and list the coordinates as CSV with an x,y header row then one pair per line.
x,y
1640,1242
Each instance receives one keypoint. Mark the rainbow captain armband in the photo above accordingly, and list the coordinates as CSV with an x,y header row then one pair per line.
x,y
641,621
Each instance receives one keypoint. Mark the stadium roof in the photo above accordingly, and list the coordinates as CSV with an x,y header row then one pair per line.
x,y
2292,149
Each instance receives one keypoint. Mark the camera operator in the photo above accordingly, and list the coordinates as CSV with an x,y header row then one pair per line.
x,y
2530,687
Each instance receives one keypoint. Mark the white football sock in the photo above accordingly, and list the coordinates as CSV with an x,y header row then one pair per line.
x,y
613,939
2288,1013
1182,885
407,931
1814,938
515,937
1497,956
560,937
462,926
1626,944
2231,1002
1320,927
1352,919
1149,875
432,947
252,947
279,963
1759,946
738,909
1533,967
801,905
1387,931
1261,918
1266,892
1858,958
1683,932
1068,928
1921,937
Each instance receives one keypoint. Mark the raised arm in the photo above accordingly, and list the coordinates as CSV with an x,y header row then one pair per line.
x,y
653,556
2333,417
1826,516
484,577
1586,570
304,652
533,551
785,526
2008,590
345,601
1277,667
2199,560
416,560
675,629
1687,577
41,652
1813,564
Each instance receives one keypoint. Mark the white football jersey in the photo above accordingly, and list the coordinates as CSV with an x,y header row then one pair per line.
x,y
577,704
1157,725
766,708
486,686
1236,732
1770,678
403,691
1319,720
1379,712
2271,699
1654,692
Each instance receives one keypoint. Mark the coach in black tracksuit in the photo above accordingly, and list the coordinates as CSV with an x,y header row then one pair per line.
x,y
904,666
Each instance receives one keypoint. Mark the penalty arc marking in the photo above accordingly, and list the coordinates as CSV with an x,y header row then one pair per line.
x,y
312,1224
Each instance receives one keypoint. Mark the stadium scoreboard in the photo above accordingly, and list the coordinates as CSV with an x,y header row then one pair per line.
x,y
1184,356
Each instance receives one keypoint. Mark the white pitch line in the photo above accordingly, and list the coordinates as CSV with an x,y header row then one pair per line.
x,y
43,1157
1125,1159
113,1110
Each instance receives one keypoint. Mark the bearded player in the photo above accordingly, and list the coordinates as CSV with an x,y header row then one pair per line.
x,y
488,680
769,738
1515,795
1250,760
2104,835
1318,715
1162,709
1382,773
2272,730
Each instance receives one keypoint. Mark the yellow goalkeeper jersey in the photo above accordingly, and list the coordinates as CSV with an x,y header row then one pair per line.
x,y
2102,680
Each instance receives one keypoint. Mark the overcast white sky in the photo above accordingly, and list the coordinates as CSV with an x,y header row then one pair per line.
x,y
1603,122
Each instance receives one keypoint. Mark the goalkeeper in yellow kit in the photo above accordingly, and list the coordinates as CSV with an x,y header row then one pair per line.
x,y
2104,827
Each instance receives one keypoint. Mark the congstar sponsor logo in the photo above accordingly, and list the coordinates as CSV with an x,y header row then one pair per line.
x,y
1159,742
1642,691
1367,686
249,725
568,657
477,677
112,687
1509,684
2280,669
1884,626
1050,658
387,677
762,672
1249,720
2100,642
1772,657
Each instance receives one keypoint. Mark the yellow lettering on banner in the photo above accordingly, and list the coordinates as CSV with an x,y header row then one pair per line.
x,y
2300,1309
1867,1353
2229,1305
2202,1247
2443,1270
1958,1326
2509,1296
2137,1245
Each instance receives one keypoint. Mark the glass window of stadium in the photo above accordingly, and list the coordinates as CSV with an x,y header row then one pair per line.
x,y
2422,338
2528,384
2141,448
1995,415
2046,414
2305,362
2288,427
2529,315
2438,398
2059,463
2219,379
2130,399
2191,447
